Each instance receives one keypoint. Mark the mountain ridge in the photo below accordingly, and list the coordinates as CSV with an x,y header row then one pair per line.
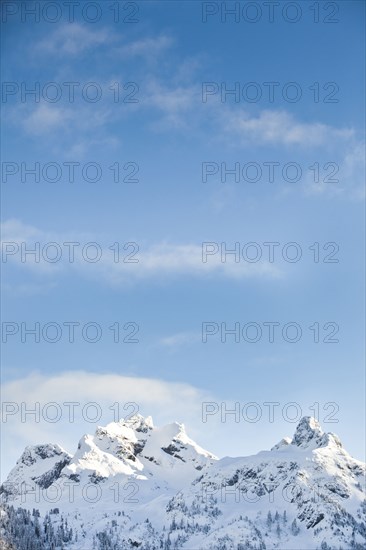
x,y
134,485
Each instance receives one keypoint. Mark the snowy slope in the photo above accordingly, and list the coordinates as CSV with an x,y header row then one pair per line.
x,y
133,485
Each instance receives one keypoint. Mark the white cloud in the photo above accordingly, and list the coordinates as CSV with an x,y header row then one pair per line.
x,y
44,119
155,261
81,148
16,230
72,39
280,128
180,339
353,172
57,122
150,48
14,236
176,103
344,178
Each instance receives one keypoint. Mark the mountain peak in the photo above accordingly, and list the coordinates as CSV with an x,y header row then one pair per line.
x,y
127,428
32,453
308,431
139,423
309,434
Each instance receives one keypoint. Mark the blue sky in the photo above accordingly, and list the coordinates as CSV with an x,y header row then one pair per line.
x,y
169,132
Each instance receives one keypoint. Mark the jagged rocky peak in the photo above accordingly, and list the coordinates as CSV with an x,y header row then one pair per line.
x,y
126,426
34,453
139,423
40,464
309,435
129,434
308,432
131,445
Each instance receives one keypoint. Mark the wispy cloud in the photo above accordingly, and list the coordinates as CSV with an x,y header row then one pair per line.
x,y
72,39
149,48
354,171
154,261
44,119
67,129
344,178
175,103
181,339
279,128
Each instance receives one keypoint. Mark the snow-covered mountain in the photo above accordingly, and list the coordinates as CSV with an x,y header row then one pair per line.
x,y
132,485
